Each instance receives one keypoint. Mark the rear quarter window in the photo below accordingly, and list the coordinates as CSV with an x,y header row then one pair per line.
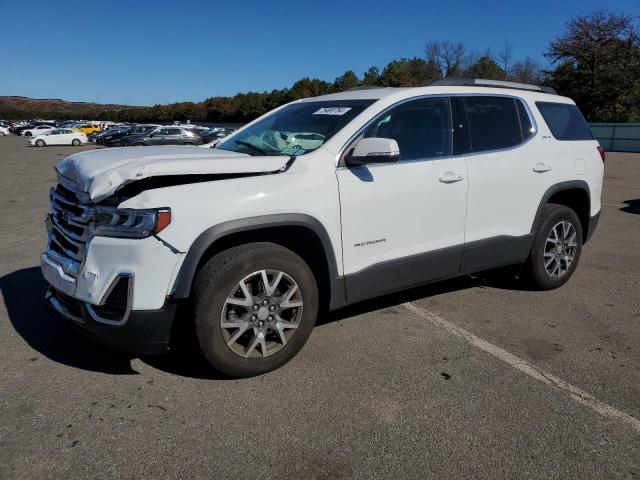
x,y
565,121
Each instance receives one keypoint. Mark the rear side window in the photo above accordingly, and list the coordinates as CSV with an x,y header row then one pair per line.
x,y
493,122
565,121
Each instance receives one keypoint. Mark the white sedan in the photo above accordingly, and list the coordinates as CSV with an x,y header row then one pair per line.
x,y
59,136
4,131
36,130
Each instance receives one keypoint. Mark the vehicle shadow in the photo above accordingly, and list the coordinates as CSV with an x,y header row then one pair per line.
x,y
503,279
23,292
633,206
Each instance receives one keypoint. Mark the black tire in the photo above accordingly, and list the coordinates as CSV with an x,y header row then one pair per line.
x,y
534,269
75,142
138,144
27,134
40,143
215,282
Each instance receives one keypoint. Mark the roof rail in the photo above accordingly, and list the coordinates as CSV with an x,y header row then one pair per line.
x,y
480,82
364,87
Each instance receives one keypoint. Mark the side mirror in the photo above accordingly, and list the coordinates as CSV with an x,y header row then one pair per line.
x,y
374,150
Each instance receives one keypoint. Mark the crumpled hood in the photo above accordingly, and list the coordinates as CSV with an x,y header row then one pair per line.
x,y
97,174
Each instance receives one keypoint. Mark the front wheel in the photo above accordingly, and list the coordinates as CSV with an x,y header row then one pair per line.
x,y
27,134
75,142
556,248
40,143
255,306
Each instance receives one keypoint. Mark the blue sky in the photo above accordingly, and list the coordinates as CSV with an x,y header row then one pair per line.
x,y
146,52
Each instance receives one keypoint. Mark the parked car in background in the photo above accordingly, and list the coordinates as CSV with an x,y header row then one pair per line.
x,y
87,128
112,136
20,127
4,131
58,136
216,134
118,139
165,136
108,134
36,130
69,124
213,138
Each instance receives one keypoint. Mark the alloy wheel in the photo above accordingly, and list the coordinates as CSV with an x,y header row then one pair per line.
x,y
261,314
560,249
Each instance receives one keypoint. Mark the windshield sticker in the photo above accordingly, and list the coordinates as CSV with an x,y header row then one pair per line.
x,y
332,111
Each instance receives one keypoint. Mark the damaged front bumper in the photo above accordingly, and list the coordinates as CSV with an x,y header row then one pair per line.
x,y
145,332
121,295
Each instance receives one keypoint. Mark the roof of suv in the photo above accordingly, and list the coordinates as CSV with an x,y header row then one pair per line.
x,y
407,92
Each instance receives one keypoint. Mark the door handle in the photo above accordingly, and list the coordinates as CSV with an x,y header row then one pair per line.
x,y
451,177
541,167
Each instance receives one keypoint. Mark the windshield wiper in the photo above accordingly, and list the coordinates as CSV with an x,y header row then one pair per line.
x,y
247,144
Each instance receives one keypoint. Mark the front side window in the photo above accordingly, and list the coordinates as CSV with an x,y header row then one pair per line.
x,y
565,121
493,122
421,127
296,129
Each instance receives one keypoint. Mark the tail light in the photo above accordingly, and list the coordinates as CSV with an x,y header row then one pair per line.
x,y
602,153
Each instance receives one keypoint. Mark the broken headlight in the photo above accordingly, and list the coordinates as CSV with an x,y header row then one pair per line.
x,y
130,223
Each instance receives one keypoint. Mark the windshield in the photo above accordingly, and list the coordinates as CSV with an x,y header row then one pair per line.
x,y
296,129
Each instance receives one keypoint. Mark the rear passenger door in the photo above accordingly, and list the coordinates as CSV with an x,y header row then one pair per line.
x,y
508,174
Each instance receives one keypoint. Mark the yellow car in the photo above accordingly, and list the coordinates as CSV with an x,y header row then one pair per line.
x,y
87,128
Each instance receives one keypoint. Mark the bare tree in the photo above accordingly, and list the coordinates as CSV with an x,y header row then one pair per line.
x,y
527,70
449,56
432,52
505,54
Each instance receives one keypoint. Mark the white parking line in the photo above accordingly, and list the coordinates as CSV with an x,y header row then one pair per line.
x,y
575,393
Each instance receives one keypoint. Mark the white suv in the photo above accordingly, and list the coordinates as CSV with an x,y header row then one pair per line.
x,y
320,203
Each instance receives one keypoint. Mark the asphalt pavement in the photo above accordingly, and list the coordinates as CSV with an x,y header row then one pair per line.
x,y
472,378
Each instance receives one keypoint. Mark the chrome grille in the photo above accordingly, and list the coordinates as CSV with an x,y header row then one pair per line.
x,y
69,228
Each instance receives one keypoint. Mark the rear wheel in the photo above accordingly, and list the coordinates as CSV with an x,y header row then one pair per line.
x,y
27,134
255,306
40,143
556,248
75,142
138,144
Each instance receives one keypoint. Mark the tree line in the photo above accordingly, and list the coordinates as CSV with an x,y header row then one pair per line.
x,y
596,62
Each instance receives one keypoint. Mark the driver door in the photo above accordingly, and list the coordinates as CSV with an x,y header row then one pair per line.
x,y
403,223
